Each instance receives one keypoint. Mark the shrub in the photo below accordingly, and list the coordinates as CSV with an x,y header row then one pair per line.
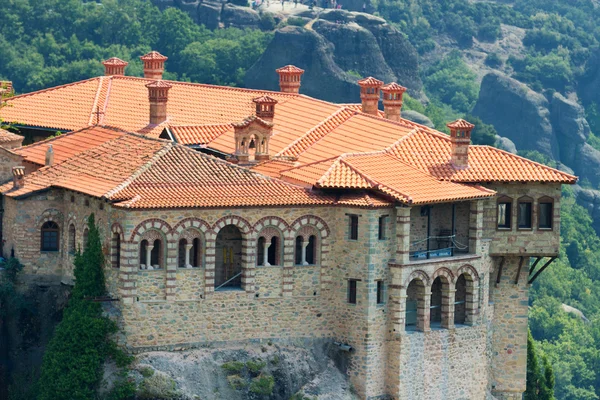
x,y
157,386
493,60
296,21
237,382
267,22
233,367
255,366
146,372
263,385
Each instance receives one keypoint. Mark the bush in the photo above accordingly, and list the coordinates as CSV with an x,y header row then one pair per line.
x,y
296,21
233,367
489,32
267,22
146,372
236,382
493,60
158,386
255,366
262,385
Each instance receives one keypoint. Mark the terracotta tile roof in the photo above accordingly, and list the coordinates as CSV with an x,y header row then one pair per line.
x,y
6,136
198,134
460,124
115,61
370,81
154,55
273,168
289,68
253,118
393,87
69,144
264,100
363,199
388,175
431,152
159,84
139,172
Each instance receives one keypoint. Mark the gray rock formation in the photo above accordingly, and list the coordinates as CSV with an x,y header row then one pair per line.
x,y
517,113
240,17
417,117
590,81
330,50
590,200
570,128
314,369
209,14
506,144
575,311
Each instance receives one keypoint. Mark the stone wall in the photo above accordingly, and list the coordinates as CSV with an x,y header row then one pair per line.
x,y
8,160
519,241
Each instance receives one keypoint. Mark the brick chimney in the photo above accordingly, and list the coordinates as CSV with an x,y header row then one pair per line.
x,y
6,88
289,78
392,100
460,136
158,95
154,65
265,107
18,177
49,156
114,66
369,94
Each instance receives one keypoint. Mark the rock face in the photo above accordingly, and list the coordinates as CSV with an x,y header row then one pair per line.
x,y
417,117
557,128
214,14
332,54
590,81
307,370
517,113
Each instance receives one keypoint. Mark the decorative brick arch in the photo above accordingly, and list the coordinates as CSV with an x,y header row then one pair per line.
x,y
117,228
149,224
186,224
242,224
470,271
419,275
311,220
445,274
50,214
274,222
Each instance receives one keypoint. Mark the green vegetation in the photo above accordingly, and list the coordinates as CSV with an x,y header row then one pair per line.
x,y
157,386
51,42
233,367
540,382
262,385
72,365
254,367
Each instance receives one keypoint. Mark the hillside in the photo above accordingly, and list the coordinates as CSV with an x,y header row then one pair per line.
x,y
525,71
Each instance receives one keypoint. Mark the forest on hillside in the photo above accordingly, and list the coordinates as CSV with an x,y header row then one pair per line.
x,y
50,42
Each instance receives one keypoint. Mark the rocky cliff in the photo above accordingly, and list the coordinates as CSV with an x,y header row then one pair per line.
x,y
336,50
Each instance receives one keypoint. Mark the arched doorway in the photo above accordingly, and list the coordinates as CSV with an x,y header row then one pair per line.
x,y
415,299
228,258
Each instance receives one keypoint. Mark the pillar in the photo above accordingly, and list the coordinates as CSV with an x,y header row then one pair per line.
x,y
402,235
448,298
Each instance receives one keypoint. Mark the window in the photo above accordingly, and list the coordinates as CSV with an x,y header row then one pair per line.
x,y
101,206
382,227
353,227
116,249
273,250
504,213
196,255
310,250
144,252
50,237
352,291
524,215
155,254
182,253
260,251
380,288
87,202
545,214
85,237
299,248
306,252
72,199
72,245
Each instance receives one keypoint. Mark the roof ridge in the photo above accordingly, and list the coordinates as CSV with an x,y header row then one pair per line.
x,y
95,104
296,143
157,156
52,88
311,163
397,142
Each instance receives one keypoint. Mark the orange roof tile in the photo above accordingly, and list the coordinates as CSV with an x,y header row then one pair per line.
x,y
289,68
431,153
115,61
370,81
153,55
393,87
264,100
198,134
385,173
363,199
249,120
460,124
272,168
159,84
6,136
69,144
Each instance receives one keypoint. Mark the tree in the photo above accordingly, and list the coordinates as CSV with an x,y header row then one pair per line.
x,y
534,374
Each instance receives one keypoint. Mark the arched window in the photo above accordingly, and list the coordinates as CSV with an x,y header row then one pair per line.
x,y
72,243
260,251
85,237
311,250
440,311
183,253
546,213
196,252
143,253
155,254
228,258
273,251
299,247
460,300
525,213
268,249
504,216
116,250
50,236
415,299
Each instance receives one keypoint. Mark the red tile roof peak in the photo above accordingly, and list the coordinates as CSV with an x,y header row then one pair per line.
x,y
370,81
264,100
153,55
393,87
289,68
251,119
159,84
460,124
115,61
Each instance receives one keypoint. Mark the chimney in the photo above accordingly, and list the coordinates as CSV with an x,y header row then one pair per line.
x,y
158,95
6,88
265,107
289,78
369,94
392,100
154,65
114,66
460,136
18,177
49,156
